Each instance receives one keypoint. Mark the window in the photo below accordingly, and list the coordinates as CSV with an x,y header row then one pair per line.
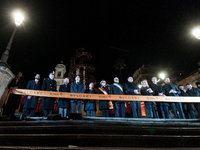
x,y
59,74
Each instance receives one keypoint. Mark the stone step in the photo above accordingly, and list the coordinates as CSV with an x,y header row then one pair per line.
x,y
99,140
149,123
90,129
102,132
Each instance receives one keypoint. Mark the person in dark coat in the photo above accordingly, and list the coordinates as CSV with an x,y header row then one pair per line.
x,y
64,103
90,105
77,87
31,101
187,107
158,91
172,90
193,92
116,88
145,90
132,89
48,102
14,100
103,105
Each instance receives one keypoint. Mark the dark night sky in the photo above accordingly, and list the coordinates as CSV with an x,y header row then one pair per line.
x,y
155,32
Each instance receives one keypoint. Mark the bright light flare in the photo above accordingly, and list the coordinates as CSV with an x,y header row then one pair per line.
x,y
162,76
18,18
196,33
140,86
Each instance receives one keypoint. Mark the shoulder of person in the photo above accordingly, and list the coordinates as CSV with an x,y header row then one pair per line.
x,y
30,81
151,85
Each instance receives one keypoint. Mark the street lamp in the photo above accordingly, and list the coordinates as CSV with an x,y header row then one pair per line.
x,y
18,20
162,76
196,33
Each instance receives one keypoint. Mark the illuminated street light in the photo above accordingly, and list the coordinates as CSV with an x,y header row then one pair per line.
x,y
162,76
196,33
18,20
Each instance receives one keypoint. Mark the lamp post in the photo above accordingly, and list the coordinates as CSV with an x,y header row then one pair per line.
x,y
162,76
196,33
18,20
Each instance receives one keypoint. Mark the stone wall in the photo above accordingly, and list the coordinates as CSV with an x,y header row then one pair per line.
x,y
5,77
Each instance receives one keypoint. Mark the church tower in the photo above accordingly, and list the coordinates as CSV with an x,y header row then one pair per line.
x,y
60,71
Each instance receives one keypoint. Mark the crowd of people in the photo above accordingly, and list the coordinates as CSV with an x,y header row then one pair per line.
x,y
154,109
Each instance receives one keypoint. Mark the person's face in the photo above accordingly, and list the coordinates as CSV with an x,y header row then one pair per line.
x,y
181,87
130,79
37,76
66,80
154,80
103,83
91,85
167,80
51,76
189,86
116,80
77,78
19,75
144,83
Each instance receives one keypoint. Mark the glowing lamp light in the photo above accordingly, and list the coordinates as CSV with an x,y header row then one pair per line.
x,y
162,76
18,19
139,86
196,33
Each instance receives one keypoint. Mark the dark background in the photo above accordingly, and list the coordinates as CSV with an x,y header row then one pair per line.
x,y
155,32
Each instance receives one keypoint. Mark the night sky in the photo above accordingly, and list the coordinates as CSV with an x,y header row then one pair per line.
x,y
154,32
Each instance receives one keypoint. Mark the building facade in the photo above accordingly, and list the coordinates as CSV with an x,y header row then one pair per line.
x,y
148,71
60,71
193,78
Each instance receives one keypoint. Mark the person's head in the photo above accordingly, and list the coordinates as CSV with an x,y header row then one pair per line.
x,y
167,80
130,79
51,75
144,83
37,76
116,80
66,80
103,83
77,78
91,85
154,80
20,74
189,86
181,87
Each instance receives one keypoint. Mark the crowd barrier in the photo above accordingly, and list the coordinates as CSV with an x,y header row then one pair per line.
x,y
106,97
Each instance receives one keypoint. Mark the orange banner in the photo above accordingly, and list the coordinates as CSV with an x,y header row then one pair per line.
x,y
106,97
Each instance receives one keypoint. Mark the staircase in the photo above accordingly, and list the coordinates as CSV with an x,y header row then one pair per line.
x,y
102,132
